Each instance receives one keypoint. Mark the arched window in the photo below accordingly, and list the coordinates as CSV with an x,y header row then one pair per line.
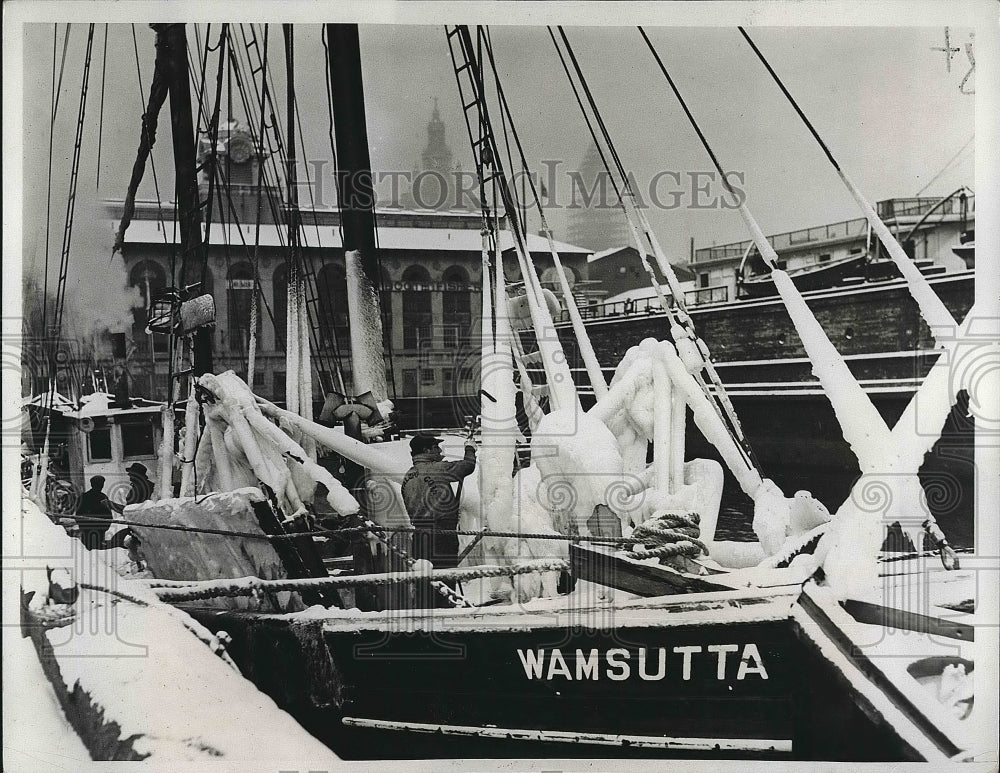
x,y
332,290
456,307
279,304
240,292
416,307
150,278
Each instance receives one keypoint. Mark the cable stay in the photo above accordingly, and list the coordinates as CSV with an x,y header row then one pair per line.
x,y
591,363
55,331
932,308
690,346
489,166
854,409
322,344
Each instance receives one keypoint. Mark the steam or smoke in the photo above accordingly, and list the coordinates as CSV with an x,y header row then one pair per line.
x,y
99,299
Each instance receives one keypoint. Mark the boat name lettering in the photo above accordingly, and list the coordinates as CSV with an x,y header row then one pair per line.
x,y
648,664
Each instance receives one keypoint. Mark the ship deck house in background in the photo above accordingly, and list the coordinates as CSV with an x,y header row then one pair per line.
x,y
716,267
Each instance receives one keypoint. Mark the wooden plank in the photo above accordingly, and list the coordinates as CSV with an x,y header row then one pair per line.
x,y
891,617
612,568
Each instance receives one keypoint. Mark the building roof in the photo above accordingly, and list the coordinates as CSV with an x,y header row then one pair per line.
x,y
389,237
683,273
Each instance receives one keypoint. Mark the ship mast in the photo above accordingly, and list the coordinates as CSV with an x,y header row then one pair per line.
x,y
356,200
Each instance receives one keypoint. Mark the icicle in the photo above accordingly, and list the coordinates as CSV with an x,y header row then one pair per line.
x,y
292,340
594,372
662,427
709,422
499,421
203,477
358,452
678,416
222,466
191,412
305,372
39,479
166,455
252,354
363,307
562,390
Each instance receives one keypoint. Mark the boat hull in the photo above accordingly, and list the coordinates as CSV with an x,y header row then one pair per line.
x,y
419,684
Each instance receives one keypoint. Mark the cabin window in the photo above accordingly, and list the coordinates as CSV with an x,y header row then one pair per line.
x,y
824,258
782,264
857,250
99,444
137,440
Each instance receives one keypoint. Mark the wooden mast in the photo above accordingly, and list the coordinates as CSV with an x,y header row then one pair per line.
x,y
356,200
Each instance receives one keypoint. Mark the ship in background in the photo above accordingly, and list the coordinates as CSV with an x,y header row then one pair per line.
x,y
858,296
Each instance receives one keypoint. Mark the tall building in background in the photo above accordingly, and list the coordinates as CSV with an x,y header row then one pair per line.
x,y
433,185
595,220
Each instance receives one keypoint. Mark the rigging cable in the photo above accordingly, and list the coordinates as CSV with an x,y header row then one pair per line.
x,y
309,277
946,166
932,308
633,228
100,120
56,90
681,319
255,263
586,349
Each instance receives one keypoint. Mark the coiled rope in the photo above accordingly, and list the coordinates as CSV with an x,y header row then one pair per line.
x,y
667,535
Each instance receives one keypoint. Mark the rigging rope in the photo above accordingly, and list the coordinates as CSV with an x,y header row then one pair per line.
x,y
594,372
255,263
248,586
932,308
100,120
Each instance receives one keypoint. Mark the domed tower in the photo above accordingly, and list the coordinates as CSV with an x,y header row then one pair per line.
x,y
597,222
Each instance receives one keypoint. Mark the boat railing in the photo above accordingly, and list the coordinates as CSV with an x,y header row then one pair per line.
x,y
640,307
916,207
845,229
710,294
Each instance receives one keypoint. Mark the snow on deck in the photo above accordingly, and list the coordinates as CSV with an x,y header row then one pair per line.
x,y
145,671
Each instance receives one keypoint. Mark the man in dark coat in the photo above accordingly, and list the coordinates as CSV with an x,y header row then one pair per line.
x,y
94,506
431,502
141,486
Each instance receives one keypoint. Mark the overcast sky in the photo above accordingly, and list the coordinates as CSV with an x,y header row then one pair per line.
x,y
881,97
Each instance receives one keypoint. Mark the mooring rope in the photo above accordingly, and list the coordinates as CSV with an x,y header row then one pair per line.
x,y
667,535
248,586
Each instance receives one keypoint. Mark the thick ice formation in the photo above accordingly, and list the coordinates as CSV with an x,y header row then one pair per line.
x,y
274,457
